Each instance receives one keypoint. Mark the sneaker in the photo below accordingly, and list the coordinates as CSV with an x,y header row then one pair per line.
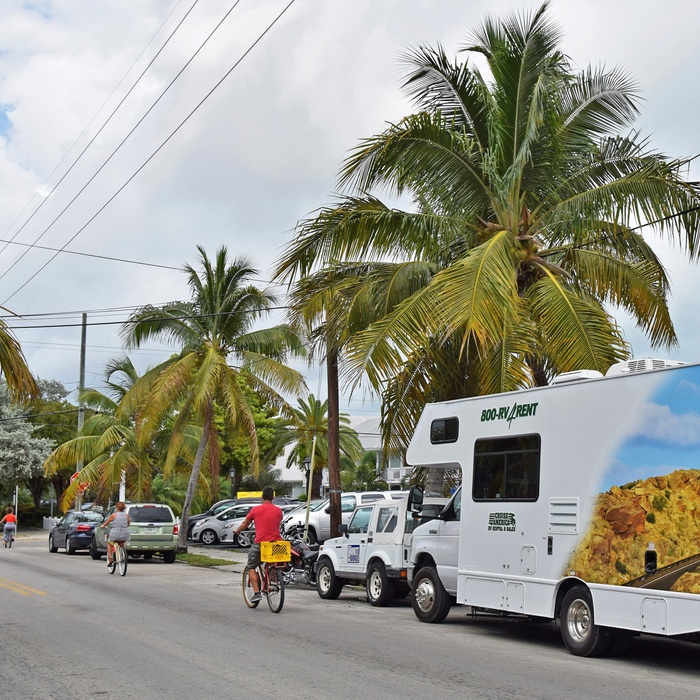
x,y
255,597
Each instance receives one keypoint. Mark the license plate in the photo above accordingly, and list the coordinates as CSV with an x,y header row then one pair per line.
x,y
149,531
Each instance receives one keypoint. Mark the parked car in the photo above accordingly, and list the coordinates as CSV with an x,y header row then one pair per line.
x,y
153,530
74,531
320,518
212,530
221,506
245,538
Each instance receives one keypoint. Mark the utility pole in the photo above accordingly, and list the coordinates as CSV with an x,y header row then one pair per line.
x,y
81,407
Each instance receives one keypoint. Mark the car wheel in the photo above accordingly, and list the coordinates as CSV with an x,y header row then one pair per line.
x,y
313,539
328,585
209,537
52,547
428,596
70,549
381,590
245,539
581,635
94,553
169,557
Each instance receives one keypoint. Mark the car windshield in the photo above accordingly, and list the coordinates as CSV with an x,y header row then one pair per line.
x,y
150,514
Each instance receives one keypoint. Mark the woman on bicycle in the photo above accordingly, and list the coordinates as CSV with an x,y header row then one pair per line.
x,y
267,518
10,523
119,532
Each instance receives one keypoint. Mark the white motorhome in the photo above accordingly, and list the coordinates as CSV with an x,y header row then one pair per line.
x,y
580,502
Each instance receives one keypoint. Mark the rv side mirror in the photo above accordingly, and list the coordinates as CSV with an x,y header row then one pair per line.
x,y
415,498
343,529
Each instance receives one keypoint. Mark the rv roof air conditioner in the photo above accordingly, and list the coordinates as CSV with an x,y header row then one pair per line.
x,y
578,375
645,364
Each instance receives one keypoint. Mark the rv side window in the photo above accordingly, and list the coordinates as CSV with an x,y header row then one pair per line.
x,y
444,430
507,469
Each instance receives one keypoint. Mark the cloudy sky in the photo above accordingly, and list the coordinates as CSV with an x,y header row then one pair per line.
x,y
260,153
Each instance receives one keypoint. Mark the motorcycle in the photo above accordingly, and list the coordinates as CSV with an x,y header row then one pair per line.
x,y
302,567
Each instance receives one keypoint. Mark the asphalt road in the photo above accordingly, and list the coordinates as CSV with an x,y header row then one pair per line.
x,y
70,630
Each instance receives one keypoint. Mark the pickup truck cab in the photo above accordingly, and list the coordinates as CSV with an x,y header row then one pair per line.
x,y
374,549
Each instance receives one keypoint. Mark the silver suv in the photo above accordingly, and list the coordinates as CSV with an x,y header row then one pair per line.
x,y
153,530
320,516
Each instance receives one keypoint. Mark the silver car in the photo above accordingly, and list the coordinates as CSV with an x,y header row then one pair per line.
x,y
211,530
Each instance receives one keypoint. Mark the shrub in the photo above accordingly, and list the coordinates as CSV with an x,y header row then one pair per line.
x,y
651,518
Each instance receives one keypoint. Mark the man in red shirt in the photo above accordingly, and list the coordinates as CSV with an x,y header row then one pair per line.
x,y
267,518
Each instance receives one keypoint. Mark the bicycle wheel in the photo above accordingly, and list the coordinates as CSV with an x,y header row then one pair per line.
x,y
275,588
121,559
248,590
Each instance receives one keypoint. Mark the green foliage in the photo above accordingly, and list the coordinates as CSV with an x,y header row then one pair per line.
x,y
527,185
659,502
650,517
621,567
364,476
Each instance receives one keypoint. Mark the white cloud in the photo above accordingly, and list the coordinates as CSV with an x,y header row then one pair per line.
x,y
659,423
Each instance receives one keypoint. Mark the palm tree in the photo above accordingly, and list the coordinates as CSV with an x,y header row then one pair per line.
x,y
215,326
21,385
309,424
107,444
526,195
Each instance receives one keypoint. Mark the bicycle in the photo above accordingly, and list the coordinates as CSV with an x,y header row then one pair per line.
x,y
119,559
274,556
8,536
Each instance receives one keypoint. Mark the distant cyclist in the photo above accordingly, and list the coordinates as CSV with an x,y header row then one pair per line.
x,y
119,532
267,518
10,523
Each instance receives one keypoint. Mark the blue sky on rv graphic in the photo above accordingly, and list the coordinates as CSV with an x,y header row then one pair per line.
x,y
666,435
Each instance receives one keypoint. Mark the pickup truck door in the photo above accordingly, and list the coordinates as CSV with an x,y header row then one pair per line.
x,y
355,545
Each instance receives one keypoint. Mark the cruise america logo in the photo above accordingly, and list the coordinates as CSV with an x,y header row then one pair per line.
x,y
509,413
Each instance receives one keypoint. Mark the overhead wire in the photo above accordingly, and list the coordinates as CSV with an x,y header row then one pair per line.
x,y
83,132
163,144
112,154
92,140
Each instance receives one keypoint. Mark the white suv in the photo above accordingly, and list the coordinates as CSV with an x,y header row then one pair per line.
x,y
320,516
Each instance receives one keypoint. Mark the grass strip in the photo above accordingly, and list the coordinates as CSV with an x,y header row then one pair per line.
x,y
202,560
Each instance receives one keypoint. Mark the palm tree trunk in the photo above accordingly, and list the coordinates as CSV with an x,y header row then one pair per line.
x,y
435,482
333,439
194,478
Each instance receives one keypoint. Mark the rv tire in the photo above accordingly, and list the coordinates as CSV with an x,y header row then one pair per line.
x,y
581,635
429,599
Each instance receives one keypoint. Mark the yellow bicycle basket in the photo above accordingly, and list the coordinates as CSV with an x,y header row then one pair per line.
x,y
273,552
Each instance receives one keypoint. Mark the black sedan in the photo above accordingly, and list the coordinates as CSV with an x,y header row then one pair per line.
x,y
74,531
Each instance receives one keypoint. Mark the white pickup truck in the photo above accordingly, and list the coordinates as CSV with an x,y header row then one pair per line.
x,y
374,548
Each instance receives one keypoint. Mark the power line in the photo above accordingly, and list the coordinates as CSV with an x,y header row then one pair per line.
x,y
82,133
109,158
182,123
92,140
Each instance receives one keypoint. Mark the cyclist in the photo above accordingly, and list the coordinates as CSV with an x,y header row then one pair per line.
x,y
10,523
267,518
120,529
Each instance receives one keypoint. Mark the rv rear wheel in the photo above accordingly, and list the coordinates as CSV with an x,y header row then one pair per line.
x,y
429,599
581,635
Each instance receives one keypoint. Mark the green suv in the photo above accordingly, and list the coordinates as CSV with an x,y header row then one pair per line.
x,y
153,530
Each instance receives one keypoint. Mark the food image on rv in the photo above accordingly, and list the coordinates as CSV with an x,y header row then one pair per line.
x,y
647,516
